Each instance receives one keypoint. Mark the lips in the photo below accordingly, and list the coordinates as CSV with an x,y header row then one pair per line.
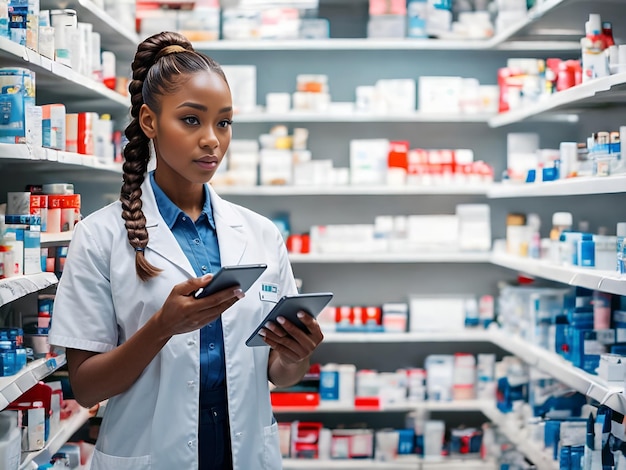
x,y
208,159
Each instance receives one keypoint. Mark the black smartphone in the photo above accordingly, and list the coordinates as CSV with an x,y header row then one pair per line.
x,y
288,306
243,275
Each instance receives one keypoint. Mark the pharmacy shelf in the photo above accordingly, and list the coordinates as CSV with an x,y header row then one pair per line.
x,y
401,463
56,82
606,281
69,427
601,91
369,44
295,116
422,257
12,387
567,187
509,426
348,190
434,406
13,288
113,36
54,159
462,336
61,238
603,392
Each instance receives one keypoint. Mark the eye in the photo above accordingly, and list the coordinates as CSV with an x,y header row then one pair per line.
x,y
225,123
191,120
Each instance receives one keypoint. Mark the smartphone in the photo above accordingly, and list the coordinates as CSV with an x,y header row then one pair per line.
x,y
288,306
242,275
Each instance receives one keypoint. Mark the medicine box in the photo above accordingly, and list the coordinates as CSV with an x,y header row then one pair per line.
x,y
17,93
53,126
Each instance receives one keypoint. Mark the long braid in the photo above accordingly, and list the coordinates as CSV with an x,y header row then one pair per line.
x,y
137,151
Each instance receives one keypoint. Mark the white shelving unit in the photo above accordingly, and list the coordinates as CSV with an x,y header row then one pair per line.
x,y
567,187
458,405
62,238
464,336
13,288
69,427
510,428
459,189
606,281
607,90
65,82
10,153
424,257
12,387
413,463
295,116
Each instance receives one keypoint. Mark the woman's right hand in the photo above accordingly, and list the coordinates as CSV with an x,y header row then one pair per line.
x,y
182,312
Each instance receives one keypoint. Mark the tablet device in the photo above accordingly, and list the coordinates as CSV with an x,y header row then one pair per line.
x,y
288,306
242,275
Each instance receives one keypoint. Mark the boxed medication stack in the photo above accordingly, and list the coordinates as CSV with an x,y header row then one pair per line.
x,y
17,100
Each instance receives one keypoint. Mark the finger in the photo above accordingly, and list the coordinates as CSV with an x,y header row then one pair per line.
x,y
191,285
215,300
287,354
297,350
275,328
217,305
300,336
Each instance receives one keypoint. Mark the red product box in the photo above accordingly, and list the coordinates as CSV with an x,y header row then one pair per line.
x,y
85,142
398,156
297,399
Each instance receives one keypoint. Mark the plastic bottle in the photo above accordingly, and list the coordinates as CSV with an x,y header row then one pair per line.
x,y
561,221
621,236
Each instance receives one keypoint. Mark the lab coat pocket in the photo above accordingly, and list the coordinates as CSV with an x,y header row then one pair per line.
x,y
271,443
102,461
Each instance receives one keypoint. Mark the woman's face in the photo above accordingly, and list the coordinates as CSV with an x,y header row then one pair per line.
x,y
192,130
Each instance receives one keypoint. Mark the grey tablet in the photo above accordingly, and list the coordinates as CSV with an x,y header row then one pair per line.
x,y
288,306
242,275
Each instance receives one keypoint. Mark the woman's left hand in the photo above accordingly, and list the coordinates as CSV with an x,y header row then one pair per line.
x,y
291,343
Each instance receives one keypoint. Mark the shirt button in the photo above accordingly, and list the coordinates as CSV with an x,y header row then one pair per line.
x,y
191,342
184,219
191,384
197,241
212,346
204,268
190,444
210,325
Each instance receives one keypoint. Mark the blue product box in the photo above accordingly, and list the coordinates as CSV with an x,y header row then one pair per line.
x,y
329,385
22,220
406,442
594,344
17,93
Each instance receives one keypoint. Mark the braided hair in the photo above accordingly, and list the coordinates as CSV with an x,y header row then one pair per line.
x,y
161,61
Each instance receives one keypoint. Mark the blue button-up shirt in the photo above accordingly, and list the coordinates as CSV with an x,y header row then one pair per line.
x,y
198,241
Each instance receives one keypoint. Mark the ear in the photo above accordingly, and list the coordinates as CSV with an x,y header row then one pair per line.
x,y
147,121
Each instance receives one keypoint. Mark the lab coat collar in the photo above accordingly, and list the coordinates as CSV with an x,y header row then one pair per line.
x,y
229,224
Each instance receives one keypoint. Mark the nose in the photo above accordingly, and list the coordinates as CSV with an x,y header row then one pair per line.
x,y
209,138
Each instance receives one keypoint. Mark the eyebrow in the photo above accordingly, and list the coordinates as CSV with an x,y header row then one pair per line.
x,y
203,108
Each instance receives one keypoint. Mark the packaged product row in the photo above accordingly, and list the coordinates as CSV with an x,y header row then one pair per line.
x,y
281,158
58,35
50,125
399,96
583,326
567,244
27,426
48,208
445,19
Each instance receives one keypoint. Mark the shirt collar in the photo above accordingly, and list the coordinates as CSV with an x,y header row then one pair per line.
x,y
171,212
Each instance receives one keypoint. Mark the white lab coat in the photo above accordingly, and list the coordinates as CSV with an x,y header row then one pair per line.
x,y
101,302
